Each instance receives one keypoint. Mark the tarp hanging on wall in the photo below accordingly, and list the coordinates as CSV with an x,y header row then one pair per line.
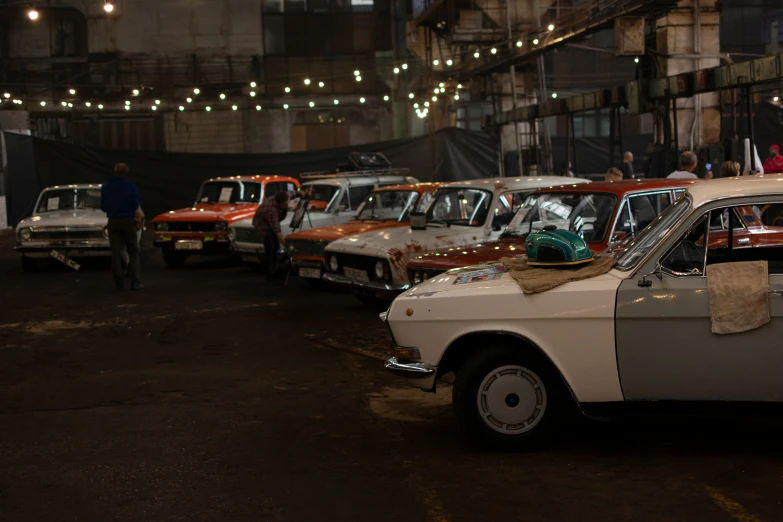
x,y
171,180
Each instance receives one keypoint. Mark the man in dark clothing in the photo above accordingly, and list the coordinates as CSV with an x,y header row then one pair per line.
x,y
627,169
266,221
120,199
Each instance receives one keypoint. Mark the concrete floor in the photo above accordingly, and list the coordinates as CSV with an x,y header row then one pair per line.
x,y
213,396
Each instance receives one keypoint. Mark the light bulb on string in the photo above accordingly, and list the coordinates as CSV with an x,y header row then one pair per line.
x,y
234,107
459,86
6,95
43,104
321,85
337,102
181,108
442,89
357,73
154,107
135,92
64,104
415,105
72,91
551,27
456,97
108,7
396,70
358,78
307,81
449,62
157,102
100,107
436,91
441,84
386,98
32,14
222,96
88,104
410,95
312,104
362,100
208,108
288,89
252,94
636,60
493,50
189,100
253,85
535,41
554,95
477,55
127,102
426,104
258,107
405,67
435,62
285,106
434,99
196,91
127,107
519,43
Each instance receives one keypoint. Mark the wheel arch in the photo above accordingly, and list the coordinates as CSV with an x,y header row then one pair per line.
x,y
464,346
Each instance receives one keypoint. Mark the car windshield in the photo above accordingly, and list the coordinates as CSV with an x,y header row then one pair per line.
x,y
460,206
586,214
229,192
323,196
645,240
70,199
388,205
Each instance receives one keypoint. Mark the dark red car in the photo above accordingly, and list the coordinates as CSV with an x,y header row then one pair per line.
x,y
603,213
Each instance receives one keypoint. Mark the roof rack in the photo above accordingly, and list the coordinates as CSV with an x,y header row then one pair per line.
x,y
355,173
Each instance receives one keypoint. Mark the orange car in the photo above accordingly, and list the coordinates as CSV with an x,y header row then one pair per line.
x,y
203,228
384,208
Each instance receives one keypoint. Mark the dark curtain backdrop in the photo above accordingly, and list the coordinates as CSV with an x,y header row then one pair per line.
x,y
170,180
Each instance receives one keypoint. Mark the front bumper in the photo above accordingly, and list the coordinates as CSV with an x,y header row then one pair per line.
x,y
70,248
419,374
308,264
215,246
368,287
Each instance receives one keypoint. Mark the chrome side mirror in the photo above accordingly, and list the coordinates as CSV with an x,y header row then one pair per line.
x,y
658,272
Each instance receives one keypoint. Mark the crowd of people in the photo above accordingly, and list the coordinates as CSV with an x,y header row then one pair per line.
x,y
689,162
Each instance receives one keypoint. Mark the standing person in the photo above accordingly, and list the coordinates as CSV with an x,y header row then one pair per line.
x,y
688,163
266,221
774,164
628,165
613,174
120,199
566,170
729,169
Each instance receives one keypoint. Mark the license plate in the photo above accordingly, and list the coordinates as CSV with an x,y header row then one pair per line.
x,y
312,273
185,244
361,275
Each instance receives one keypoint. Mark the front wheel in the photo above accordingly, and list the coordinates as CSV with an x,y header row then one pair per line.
x,y
173,258
509,398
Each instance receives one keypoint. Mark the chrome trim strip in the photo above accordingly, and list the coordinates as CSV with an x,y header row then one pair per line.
x,y
370,285
410,369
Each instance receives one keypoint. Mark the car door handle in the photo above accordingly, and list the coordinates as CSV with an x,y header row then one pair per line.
x,y
743,241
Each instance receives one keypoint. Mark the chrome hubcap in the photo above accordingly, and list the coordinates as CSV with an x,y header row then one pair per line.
x,y
511,400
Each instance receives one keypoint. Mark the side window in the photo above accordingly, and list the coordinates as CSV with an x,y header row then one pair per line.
x,y
646,207
625,226
424,201
357,195
736,236
344,201
687,256
507,207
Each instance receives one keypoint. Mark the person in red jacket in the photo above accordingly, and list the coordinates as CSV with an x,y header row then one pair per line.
x,y
774,164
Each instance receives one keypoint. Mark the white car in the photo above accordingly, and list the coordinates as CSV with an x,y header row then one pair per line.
x,y
335,200
68,219
461,214
639,333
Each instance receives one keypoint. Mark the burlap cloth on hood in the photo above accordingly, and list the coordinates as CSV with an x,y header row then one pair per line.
x,y
534,280
739,296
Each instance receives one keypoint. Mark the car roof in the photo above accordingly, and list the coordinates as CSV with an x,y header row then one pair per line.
x,y
260,178
620,188
759,185
358,181
420,187
522,183
77,186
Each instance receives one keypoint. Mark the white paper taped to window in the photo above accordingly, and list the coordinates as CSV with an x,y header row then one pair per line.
x,y
53,204
225,194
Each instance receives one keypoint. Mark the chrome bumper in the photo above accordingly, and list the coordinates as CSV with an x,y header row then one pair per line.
x,y
410,369
367,285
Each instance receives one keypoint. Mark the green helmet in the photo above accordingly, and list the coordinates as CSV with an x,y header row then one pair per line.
x,y
556,248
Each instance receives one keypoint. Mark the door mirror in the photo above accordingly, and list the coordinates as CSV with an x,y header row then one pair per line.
x,y
418,221
618,237
644,282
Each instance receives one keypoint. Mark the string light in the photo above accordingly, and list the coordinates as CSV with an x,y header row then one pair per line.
x,y
551,27
181,108
307,81
157,102
72,91
127,102
285,106
362,100
477,55
459,86
127,107
441,84
196,91
88,104
135,92
358,78
396,70
288,89
64,104
519,43
636,60
405,67
100,107
456,97
357,73
312,104
535,41
32,14
321,85
449,62
415,105
258,107
386,98
435,63
234,107
337,102
252,94
554,95
253,85
6,95
436,91
208,109
434,99
493,51
410,95
43,104
222,96
189,100
426,104
154,107
442,89
108,7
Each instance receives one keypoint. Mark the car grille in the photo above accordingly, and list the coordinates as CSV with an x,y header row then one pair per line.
x,y
358,262
419,275
65,233
306,247
247,235
194,226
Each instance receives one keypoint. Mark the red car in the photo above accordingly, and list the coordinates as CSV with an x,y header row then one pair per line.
x,y
603,213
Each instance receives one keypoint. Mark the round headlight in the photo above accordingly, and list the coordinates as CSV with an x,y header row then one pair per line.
x,y
232,233
106,232
162,226
333,264
379,269
24,234
417,278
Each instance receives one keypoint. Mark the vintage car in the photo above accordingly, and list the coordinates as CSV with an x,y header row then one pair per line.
x,y
460,214
604,214
204,227
334,199
67,219
638,334
385,208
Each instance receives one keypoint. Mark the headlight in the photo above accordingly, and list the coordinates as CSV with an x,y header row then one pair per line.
x,y
25,234
417,278
291,247
232,233
106,232
333,264
221,226
162,226
379,269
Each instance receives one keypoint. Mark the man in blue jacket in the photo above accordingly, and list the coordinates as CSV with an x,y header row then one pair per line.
x,y
120,199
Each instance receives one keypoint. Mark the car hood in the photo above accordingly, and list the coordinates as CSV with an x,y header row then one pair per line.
x,y
491,278
391,242
471,255
61,218
333,232
209,212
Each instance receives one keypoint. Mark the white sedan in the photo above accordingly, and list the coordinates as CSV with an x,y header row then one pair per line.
x,y
640,333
